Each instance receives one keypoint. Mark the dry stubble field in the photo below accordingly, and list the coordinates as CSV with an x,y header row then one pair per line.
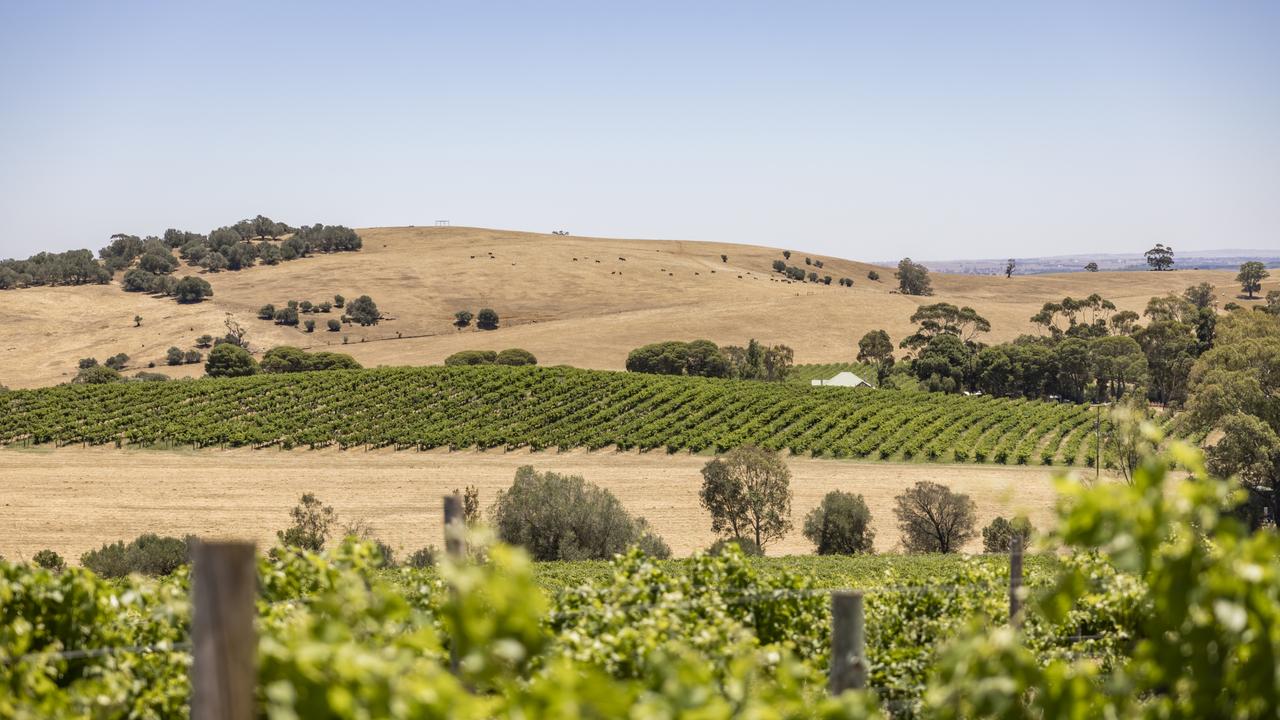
x,y
73,499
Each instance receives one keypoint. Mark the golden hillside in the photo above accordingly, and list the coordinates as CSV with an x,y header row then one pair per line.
x,y
570,300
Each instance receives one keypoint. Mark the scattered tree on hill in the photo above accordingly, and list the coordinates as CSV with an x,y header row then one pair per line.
x,y
192,357
913,278
229,360
333,325
1001,534
364,311
564,517
1160,257
487,319
1251,276
117,361
192,289
86,363
339,301
724,258
840,525
1009,267
786,254
137,321
748,494
175,356
462,318
1091,267
313,521
310,325
872,275
287,316
159,262
235,332
933,519
267,312
204,341
779,266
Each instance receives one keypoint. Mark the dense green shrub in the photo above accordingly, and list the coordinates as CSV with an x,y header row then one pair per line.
x,y
999,534
333,325
487,319
563,517
49,560
192,289
313,522
472,357
228,360
148,554
364,311
745,545
515,356
699,357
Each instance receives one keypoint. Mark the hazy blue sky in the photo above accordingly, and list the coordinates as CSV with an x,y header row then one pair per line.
x,y
868,130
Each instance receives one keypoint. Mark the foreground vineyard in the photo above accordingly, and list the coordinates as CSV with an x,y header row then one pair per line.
x,y
1163,606
540,408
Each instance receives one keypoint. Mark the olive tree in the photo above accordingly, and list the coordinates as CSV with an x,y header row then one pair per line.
x,y
313,521
564,517
364,311
748,493
840,525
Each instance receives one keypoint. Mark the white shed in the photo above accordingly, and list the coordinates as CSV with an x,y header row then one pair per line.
x,y
843,379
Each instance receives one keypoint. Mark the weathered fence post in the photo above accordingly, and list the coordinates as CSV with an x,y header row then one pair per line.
x,y
1015,581
453,524
224,647
848,642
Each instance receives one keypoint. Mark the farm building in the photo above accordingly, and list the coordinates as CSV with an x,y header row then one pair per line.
x,y
842,379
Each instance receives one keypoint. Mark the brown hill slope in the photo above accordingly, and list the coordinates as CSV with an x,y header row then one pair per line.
x,y
571,300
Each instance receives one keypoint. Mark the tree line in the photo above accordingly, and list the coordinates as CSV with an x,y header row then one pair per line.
x,y
149,261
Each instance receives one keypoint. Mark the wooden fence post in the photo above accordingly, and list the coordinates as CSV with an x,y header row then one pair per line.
x,y
1015,581
225,648
848,643
453,524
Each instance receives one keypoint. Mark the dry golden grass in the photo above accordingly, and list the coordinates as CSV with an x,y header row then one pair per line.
x,y
587,312
75,499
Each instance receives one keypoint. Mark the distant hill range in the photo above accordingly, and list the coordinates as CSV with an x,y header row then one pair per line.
x,y
1189,260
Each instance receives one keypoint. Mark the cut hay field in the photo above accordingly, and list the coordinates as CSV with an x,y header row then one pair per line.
x,y
570,300
72,499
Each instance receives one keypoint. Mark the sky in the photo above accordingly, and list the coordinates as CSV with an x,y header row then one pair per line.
x,y
864,130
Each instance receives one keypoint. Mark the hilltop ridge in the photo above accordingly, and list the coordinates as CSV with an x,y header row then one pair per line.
x,y
570,300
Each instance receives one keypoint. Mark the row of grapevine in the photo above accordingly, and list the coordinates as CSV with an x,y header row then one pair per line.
x,y
543,408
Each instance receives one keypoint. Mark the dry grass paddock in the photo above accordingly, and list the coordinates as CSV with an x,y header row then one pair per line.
x,y
74,499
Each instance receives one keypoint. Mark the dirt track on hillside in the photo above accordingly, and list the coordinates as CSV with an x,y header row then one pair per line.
x,y
73,499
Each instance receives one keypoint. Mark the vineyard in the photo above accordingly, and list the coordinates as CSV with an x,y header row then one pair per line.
x,y
545,408
1158,604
